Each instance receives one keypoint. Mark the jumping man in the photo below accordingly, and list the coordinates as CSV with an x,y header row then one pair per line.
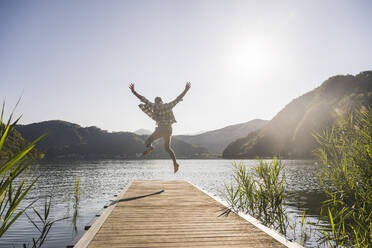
x,y
163,115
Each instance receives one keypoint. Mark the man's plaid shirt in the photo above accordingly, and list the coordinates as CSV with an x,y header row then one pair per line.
x,y
161,113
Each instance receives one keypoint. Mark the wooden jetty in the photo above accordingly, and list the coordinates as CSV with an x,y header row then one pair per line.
x,y
174,214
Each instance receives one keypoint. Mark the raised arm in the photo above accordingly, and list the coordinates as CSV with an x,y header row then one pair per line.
x,y
180,97
142,98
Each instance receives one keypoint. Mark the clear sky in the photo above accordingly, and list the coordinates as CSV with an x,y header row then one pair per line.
x,y
73,60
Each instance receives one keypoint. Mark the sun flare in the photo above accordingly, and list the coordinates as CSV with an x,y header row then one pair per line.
x,y
249,58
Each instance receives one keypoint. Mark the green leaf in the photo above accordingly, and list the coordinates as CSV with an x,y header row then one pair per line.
x,y
3,137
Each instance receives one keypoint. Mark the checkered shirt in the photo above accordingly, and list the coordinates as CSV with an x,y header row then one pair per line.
x,y
161,113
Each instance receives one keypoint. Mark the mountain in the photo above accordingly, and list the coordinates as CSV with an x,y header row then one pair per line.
x,y
289,133
65,139
194,133
217,140
142,132
14,143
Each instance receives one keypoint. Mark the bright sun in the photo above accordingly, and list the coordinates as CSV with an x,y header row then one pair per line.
x,y
248,59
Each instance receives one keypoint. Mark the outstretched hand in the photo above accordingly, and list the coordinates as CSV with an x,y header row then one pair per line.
x,y
131,87
187,87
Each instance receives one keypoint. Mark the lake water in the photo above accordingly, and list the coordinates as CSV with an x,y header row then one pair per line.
x,y
100,180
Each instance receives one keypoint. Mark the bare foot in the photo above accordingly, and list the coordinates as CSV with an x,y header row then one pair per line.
x,y
176,166
148,150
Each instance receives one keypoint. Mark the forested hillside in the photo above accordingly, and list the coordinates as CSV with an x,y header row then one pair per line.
x,y
65,139
289,133
217,140
14,143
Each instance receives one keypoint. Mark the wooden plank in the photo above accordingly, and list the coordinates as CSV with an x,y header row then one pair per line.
x,y
182,215
93,230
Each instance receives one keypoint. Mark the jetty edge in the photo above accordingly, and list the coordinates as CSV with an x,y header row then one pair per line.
x,y
276,235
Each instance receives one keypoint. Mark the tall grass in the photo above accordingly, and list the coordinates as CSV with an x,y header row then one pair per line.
x,y
260,194
43,223
76,203
14,187
345,151
72,208
15,168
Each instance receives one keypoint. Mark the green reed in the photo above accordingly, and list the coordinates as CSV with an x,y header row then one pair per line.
x,y
46,223
260,193
76,203
13,173
14,186
345,151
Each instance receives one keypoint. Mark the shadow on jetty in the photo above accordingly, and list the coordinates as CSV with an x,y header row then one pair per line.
x,y
135,198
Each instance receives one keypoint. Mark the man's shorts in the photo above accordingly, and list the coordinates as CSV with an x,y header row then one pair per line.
x,y
163,130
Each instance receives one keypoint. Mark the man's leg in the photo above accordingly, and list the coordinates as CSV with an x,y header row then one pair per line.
x,y
167,140
154,136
